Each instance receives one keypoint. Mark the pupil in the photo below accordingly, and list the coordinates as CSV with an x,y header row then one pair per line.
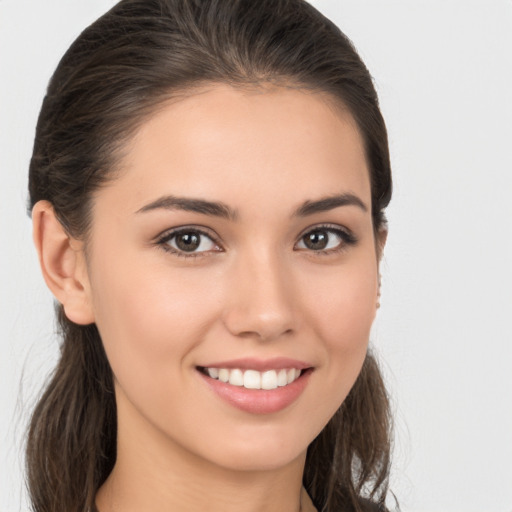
x,y
317,240
187,242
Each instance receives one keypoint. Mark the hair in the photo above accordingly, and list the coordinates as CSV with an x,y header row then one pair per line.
x,y
116,74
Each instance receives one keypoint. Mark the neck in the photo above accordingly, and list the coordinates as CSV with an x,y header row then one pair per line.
x,y
135,488
157,475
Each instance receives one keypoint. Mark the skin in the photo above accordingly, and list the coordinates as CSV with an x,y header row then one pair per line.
x,y
255,291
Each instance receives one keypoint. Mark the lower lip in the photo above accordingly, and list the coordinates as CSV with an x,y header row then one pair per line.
x,y
259,401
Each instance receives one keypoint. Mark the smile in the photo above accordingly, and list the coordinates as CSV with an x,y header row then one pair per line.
x,y
254,379
257,386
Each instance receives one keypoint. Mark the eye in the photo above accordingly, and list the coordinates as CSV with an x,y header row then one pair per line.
x,y
188,242
325,239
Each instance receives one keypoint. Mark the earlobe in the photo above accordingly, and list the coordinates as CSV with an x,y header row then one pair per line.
x,y
62,263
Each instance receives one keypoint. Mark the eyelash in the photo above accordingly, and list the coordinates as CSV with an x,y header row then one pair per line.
x,y
163,241
347,239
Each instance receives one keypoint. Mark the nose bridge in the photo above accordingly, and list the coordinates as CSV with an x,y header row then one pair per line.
x,y
261,300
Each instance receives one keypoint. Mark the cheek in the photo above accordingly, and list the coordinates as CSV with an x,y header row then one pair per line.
x,y
150,318
150,324
343,303
342,310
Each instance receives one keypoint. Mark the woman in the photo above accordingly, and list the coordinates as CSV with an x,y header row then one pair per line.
x,y
207,189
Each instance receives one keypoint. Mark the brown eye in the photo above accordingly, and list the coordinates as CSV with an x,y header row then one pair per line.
x,y
326,239
188,241
316,240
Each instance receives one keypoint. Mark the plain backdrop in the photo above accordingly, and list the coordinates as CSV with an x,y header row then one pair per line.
x,y
443,70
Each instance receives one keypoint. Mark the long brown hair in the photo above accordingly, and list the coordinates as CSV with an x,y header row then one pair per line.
x,y
115,75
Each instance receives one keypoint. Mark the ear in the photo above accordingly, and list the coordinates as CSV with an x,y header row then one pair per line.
x,y
382,236
63,264
380,242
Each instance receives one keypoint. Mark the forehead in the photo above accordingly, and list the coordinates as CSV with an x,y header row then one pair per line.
x,y
243,146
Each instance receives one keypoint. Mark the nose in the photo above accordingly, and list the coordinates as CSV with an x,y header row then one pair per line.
x,y
260,301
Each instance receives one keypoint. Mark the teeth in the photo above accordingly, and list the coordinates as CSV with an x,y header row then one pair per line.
x,y
213,373
269,380
282,378
236,378
252,379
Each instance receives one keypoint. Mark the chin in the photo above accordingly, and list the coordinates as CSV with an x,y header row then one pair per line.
x,y
266,453
262,462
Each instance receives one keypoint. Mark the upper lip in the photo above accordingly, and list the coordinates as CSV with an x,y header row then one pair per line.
x,y
276,363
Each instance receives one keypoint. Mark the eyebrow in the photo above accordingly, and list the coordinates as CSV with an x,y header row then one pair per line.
x,y
216,209
329,203
222,210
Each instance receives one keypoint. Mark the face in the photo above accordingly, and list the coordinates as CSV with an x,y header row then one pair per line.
x,y
232,273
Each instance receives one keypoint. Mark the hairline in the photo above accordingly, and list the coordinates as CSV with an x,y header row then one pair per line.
x,y
158,102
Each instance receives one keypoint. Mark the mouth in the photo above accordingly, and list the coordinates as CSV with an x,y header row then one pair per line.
x,y
254,379
257,386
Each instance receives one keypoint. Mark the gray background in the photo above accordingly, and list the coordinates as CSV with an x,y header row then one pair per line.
x,y
443,69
